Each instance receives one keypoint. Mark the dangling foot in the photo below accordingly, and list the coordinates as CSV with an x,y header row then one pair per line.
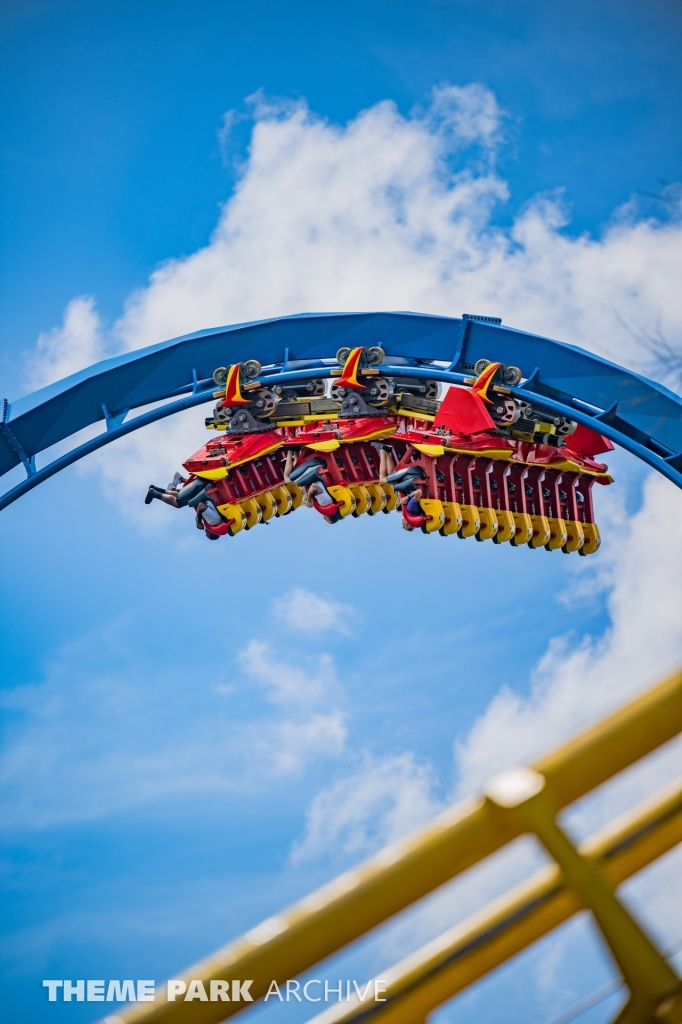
x,y
153,492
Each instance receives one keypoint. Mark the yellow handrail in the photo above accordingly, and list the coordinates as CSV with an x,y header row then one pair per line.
x,y
286,945
468,951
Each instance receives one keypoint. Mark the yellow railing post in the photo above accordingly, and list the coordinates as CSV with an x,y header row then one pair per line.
x,y
466,952
654,986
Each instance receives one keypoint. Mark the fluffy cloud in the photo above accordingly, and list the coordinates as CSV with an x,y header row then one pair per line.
x,y
290,744
309,613
394,212
382,800
580,679
64,350
287,683
100,734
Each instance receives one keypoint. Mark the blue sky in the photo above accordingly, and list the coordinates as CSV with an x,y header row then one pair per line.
x,y
194,737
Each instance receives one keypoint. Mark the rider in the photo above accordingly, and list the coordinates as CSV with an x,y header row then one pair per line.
x,y
209,519
411,501
179,492
406,482
307,476
318,496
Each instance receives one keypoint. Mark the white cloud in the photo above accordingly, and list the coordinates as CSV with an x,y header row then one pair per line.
x,y
386,212
470,114
308,612
302,733
64,350
289,745
305,683
379,802
100,734
580,679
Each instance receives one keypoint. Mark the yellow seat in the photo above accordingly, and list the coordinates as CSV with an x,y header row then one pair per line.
x,y
236,514
282,499
524,529
268,508
344,496
541,531
471,524
506,527
557,533
575,538
252,511
378,498
434,508
453,518
296,495
363,500
488,520
391,497
592,539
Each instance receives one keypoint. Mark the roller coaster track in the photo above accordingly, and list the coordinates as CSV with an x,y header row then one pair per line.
x,y
638,414
633,412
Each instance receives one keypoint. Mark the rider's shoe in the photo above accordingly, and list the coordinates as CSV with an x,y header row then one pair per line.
x,y
152,493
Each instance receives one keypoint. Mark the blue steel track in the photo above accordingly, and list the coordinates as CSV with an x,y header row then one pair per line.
x,y
636,413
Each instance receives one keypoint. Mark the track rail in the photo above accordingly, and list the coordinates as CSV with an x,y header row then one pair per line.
x,y
636,413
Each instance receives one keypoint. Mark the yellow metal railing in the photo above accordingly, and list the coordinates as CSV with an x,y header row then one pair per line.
x,y
525,800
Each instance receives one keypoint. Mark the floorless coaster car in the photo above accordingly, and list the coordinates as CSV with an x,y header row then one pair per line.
x,y
480,463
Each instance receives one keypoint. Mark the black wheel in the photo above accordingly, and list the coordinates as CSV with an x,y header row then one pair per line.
x,y
480,365
375,355
512,376
378,391
342,355
220,376
223,415
337,392
264,404
251,368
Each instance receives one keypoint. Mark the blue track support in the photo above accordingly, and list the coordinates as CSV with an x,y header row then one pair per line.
x,y
635,413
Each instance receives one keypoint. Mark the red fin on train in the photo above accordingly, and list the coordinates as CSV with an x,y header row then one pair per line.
x,y
587,442
463,412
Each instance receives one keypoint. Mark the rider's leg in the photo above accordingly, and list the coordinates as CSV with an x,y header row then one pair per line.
x,y
386,464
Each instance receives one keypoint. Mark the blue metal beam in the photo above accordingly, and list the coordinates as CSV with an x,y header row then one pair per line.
x,y
638,414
